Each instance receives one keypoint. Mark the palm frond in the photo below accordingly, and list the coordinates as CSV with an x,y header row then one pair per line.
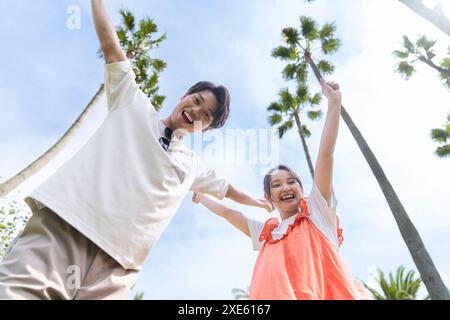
x,y
327,31
325,67
401,54
275,119
290,36
128,19
284,53
302,93
439,135
405,69
315,99
443,151
331,45
290,71
425,43
308,28
305,131
408,44
315,115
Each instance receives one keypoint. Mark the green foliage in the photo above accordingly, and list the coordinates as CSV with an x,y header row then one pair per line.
x,y
308,28
300,43
284,53
315,115
305,131
290,35
422,50
241,294
400,287
442,136
12,220
405,69
139,296
288,104
325,67
331,45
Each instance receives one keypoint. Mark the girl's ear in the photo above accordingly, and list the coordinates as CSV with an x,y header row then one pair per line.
x,y
266,196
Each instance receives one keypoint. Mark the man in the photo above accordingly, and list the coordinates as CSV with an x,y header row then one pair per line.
x,y
96,219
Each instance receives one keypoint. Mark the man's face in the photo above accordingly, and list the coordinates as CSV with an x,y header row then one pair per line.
x,y
197,108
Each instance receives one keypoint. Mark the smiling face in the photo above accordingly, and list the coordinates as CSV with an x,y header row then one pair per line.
x,y
194,112
285,192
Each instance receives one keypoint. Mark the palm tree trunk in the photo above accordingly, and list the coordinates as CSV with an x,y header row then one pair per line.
x,y
50,154
305,146
428,272
435,16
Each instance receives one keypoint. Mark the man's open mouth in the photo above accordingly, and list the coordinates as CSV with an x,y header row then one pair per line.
x,y
187,117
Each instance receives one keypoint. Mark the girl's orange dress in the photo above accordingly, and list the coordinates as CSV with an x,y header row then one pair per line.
x,y
302,265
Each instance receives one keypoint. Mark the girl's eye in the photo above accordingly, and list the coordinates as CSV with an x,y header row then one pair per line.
x,y
275,186
291,182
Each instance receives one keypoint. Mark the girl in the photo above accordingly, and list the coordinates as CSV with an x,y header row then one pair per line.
x,y
298,256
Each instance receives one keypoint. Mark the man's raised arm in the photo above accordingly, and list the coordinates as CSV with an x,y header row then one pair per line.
x,y
106,34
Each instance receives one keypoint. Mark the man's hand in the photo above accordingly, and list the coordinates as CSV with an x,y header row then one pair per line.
x,y
266,204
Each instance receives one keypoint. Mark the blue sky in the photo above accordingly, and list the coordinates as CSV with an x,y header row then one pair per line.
x,y
49,73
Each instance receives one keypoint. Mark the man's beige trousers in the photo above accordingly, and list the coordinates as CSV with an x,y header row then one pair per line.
x,y
52,260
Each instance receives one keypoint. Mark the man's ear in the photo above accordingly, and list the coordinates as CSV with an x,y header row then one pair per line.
x,y
183,97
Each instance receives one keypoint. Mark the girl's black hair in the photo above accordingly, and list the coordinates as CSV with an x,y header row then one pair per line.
x,y
268,178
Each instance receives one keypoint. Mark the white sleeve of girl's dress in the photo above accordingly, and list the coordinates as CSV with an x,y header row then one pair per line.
x,y
255,227
324,215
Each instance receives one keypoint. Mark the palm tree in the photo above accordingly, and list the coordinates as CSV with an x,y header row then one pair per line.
x,y
137,44
288,109
402,287
241,294
298,49
435,16
422,50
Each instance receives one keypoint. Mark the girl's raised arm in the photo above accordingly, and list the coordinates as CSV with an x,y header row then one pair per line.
x,y
234,217
324,165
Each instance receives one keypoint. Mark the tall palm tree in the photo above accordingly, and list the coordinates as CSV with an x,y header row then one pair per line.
x,y
298,48
436,15
137,44
422,50
400,287
288,108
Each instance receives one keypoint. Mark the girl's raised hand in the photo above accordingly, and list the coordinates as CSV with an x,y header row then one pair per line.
x,y
332,91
